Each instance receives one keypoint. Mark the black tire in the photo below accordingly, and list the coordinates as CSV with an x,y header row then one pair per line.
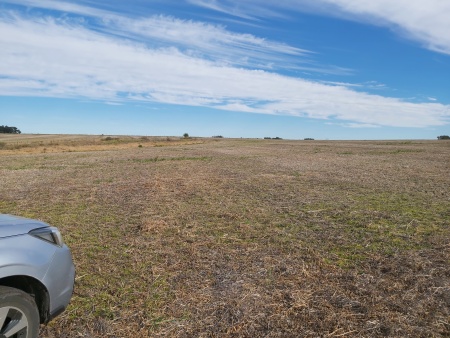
x,y
19,316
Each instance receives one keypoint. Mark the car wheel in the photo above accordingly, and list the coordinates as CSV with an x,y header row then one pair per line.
x,y
19,316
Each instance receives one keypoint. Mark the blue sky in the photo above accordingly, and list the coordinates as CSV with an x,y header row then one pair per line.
x,y
326,69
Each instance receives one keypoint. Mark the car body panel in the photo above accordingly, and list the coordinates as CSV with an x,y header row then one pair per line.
x,y
14,225
60,292
25,255
22,254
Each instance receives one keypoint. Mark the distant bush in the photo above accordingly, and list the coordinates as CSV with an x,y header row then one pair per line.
x,y
9,130
109,138
309,139
273,138
218,136
444,137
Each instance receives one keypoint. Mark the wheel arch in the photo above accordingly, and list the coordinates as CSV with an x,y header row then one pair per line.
x,y
35,289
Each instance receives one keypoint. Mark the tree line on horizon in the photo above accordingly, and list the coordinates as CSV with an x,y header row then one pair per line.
x,y
9,130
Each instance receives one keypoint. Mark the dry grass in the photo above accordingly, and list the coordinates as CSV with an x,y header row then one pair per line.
x,y
31,144
244,238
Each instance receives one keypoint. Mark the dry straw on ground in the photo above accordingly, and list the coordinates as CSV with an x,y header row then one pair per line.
x,y
242,238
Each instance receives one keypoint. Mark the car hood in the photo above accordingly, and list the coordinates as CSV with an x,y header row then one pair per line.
x,y
14,225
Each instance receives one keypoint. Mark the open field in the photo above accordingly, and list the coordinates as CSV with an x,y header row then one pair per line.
x,y
31,144
180,237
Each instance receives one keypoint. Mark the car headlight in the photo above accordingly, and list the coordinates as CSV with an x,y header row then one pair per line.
x,y
48,234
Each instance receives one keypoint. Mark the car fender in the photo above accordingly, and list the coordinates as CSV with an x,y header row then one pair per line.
x,y
25,255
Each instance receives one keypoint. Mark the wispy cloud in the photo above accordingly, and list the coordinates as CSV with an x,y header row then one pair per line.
x,y
213,42
252,10
208,41
426,22
122,60
223,8
423,21
62,6
356,125
373,85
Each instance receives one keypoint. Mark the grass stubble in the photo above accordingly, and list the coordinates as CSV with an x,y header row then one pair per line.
x,y
242,238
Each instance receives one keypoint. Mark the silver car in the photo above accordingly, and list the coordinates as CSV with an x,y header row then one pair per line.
x,y
36,276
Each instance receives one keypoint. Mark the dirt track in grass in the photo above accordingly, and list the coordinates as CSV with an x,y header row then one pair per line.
x,y
242,238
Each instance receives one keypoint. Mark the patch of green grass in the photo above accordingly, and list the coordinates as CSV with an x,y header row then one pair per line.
x,y
384,223
7,207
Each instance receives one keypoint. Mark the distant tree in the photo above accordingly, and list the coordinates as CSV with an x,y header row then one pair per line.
x,y
309,139
9,130
444,137
186,135
218,136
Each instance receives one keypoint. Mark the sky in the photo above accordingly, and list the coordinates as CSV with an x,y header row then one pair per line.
x,y
295,69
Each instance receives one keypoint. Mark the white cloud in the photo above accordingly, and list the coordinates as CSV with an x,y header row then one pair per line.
x,y
198,38
207,40
59,58
252,10
426,22
356,125
216,6
62,6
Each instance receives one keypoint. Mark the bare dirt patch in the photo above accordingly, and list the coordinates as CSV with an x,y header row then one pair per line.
x,y
245,238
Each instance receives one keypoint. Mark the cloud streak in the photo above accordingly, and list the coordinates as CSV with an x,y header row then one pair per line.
x,y
208,41
123,61
426,22
249,9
